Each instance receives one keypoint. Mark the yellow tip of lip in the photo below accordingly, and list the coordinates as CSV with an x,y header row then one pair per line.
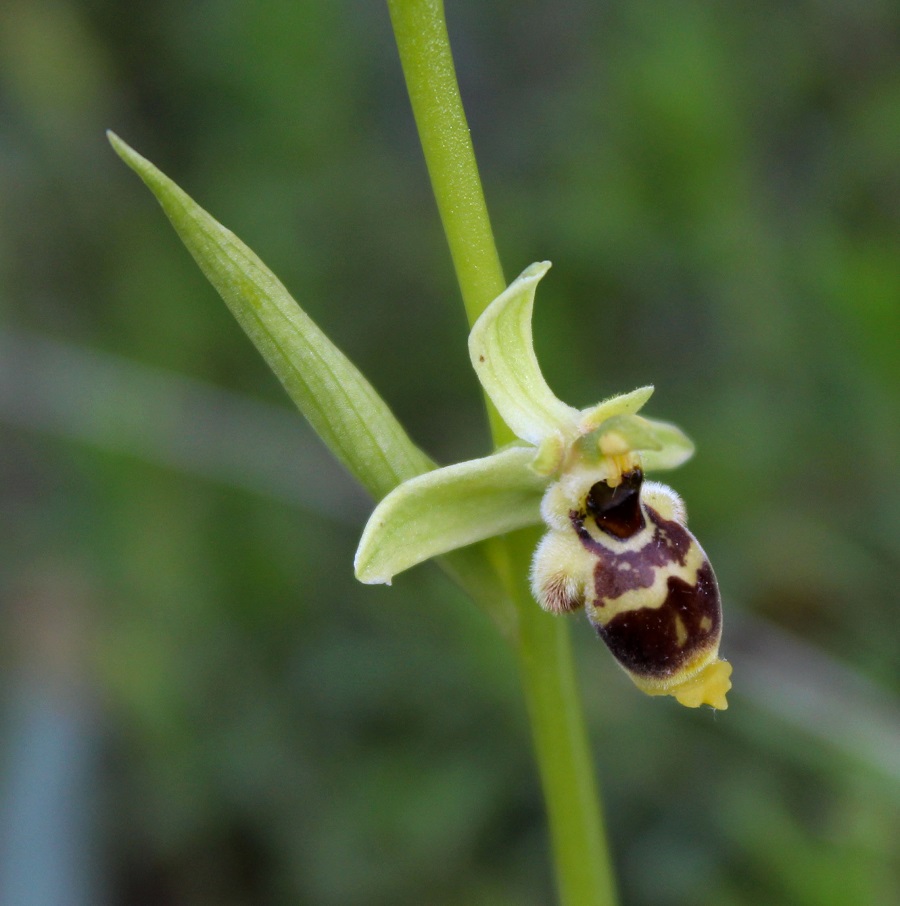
x,y
708,687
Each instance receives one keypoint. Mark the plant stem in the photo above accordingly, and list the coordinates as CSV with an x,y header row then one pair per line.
x,y
583,872
581,859
421,34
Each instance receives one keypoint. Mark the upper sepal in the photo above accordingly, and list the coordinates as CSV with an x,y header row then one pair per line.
x,y
502,353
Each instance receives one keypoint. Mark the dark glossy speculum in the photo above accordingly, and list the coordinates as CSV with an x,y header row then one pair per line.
x,y
617,511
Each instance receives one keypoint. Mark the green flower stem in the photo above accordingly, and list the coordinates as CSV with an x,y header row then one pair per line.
x,y
543,646
583,870
421,33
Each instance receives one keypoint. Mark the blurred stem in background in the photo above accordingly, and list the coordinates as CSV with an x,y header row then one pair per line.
x,y
543,647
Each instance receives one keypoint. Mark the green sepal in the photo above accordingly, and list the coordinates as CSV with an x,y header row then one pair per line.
x,y
675,447
447,509
340,404
502,353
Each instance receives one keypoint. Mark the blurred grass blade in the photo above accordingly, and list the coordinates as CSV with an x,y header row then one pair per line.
x,y
502,353
448,509
340,404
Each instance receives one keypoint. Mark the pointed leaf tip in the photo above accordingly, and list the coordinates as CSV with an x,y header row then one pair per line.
x,y
127,153
339,403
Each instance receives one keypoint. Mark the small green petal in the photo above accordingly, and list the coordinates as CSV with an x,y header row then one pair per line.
x,y
675,447
661,445
448,509
618,436
340,404
550,455
623,404
502,353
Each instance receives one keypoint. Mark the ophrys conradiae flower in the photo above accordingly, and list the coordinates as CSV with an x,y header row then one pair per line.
x,y
616,545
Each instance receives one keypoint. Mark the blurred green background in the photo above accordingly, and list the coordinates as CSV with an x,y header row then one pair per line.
x,y
200,705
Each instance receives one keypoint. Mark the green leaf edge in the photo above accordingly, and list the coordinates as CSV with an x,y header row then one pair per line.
x,y
340,404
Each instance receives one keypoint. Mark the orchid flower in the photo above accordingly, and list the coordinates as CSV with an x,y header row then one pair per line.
x,y
616,546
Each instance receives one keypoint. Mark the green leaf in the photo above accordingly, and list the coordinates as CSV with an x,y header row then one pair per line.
x,y
675,447
502,353
340,404
448,509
